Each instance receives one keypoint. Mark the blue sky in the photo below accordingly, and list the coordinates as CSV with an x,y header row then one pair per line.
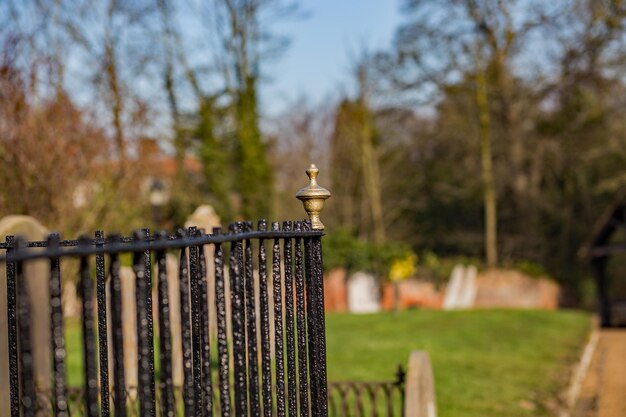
x,y
323,45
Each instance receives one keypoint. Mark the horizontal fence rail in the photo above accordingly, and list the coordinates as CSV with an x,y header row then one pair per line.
x,y
251,328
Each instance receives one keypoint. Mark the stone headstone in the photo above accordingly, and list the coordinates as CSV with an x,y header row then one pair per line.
x,y
468,291
71,302
461,290
129,328
205,218
173,285
454,288
363,293
37,276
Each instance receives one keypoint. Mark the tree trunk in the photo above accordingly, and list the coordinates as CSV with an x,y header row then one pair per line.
x,y
489,192
170,89
372,178
117,104
369,159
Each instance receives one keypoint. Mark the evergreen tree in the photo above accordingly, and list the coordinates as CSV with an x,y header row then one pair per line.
x,y
215,156
254,180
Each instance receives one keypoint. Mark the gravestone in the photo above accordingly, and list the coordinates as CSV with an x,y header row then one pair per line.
x,y
461,290
454,288
129,328
363,293
205,218
173,287
37,275
468,292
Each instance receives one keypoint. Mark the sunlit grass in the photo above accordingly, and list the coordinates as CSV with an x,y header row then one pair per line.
x,y
487,363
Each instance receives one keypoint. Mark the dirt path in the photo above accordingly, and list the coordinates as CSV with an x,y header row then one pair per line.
x,y
603,393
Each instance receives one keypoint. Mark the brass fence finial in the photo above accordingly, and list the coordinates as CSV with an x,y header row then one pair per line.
x,y
313,197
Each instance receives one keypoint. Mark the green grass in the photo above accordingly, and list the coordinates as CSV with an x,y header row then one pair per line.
x,y
487,363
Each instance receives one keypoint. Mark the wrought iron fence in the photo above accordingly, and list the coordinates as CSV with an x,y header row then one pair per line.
x,y
367,398
259,368
263,352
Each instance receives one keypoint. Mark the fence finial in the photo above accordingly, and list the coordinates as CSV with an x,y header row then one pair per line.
x,y
313,197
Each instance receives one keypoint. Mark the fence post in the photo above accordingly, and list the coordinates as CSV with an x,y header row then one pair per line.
x,y
419,389
313,197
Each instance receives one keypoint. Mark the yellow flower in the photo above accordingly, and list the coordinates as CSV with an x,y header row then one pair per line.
x,y
403,268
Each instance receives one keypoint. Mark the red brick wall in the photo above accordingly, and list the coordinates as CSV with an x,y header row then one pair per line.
x,y
412,293
513,289
335,291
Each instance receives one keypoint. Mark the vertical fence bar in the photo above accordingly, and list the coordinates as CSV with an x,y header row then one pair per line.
x,y
316,325
149,329
103,342
207,384
332,402
399,386
371,393
58,341
27,378
278,325
310,299
145,354
388,393
119,382
238,322
266,360
14,389
196,332
358,406
188,391
302,332
89,339
222,334
292,384
253,360
165,344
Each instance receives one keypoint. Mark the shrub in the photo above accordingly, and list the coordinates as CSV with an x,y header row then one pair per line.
x,y
342,249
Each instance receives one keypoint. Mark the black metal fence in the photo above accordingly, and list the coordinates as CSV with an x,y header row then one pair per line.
x,y
367,398
267,362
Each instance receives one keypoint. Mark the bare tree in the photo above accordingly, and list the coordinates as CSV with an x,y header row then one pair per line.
x,y
113,39
448,41
37,139
299,137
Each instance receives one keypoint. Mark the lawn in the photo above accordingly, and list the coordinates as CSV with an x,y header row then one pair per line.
x,y
487,363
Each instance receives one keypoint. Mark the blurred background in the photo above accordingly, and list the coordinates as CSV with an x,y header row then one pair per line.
x,y
487,133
